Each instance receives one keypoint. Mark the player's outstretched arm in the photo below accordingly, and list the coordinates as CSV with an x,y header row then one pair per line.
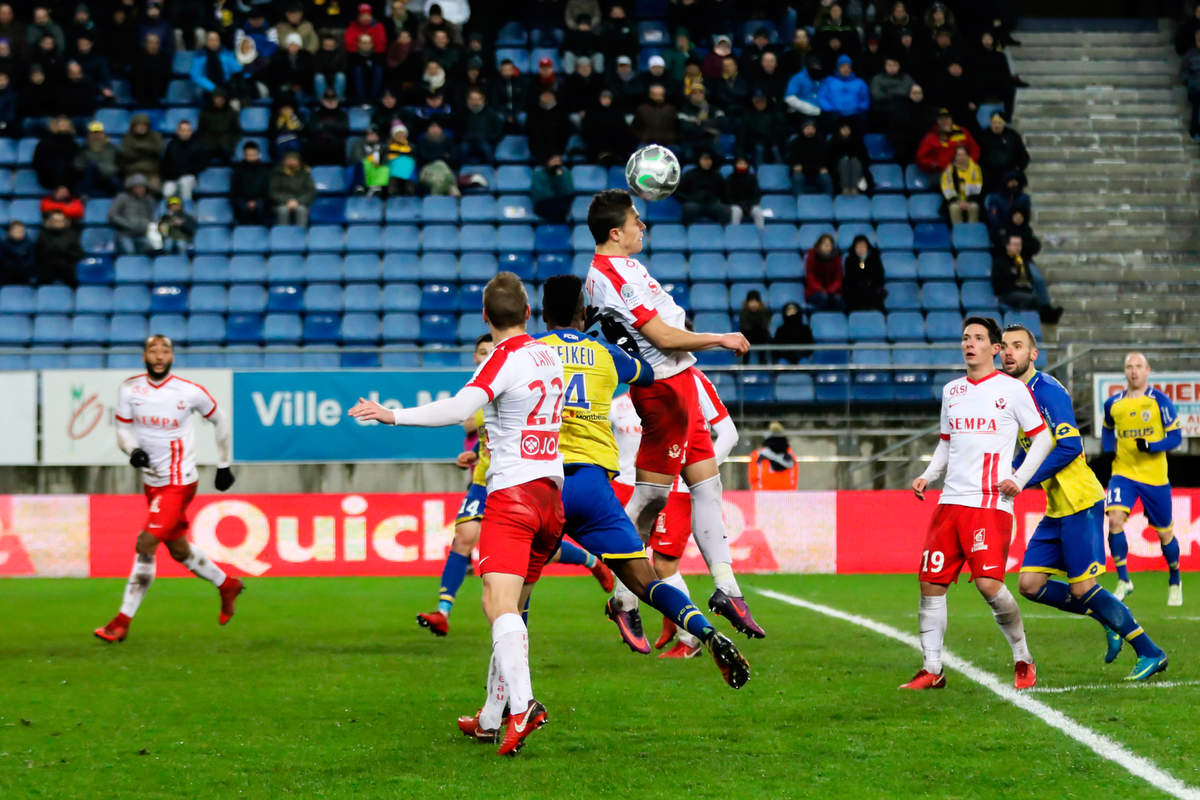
x,y
450,411
667,337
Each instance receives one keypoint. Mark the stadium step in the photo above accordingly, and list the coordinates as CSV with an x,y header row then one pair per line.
x,y
1056,39
1098,122
1047,215
1107,140
1088,67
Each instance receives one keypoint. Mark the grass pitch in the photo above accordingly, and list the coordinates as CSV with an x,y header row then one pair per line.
x,y
327,688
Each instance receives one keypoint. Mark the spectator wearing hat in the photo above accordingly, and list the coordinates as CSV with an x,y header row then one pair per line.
x,y
1000,205
962,187
291,190
544,78
141,151
936,149
329,67
328,129
823,275
436,20
54,156
627,85
552,190
794,330
365,24
213,66
682,52
656,120
712,65
700,192
618,36
249,187
754,322
509,95
131,215
808,157
365,71
177,228
761,130
473,78
863,278
249,83
844,96
293,22
57,251
606,135
1001,150
656,72
183,159
481,130
800,96
255,27
62,200
773,467
402,164
18,264
369,172
286,130
96,164
291,68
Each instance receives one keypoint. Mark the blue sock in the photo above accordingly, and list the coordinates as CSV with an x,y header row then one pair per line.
x,y
675,605
1058,594
525,612
569,553
1116,615
1171,554
1119,547
453,574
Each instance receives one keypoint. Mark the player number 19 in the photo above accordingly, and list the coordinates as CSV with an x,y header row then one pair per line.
x,y
932,561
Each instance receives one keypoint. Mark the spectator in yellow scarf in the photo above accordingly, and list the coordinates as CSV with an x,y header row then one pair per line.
x,y
962,183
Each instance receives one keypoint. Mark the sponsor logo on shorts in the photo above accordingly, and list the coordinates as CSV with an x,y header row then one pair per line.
x,y
674,451
979,544
987,567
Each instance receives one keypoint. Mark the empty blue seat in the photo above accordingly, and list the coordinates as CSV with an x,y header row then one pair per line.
x,y
784,266
252,239
712,321
401,238
706,267
879,147
915,180
322,328
513,150
171,269
208,299
582,240
362,297
519,263
282,358
905,326
95,270
370,209
323,298
477,267
8,152
399,267
588,178
243,268
552,239
943,326
364,239
550,264
282,328
96,241
899,266
1029,319
212,211
742,237
670,267
362,267
26,211
89,329
327,211
939,296
866,326
15,330
680,293
851,208
709,297
441,238
979,295
470,327
895,236
439,208
774,178
847,232
889,208
888,178
931,236
745,266
213,181
169,298
173,116
781,293
665,210
794,388
438,267
757,388
515,208
360,328
470,300
285,269
173,326
96,211
910,387
400,327
511,35
51,329
935,266
705,237
809,233
902,295
829,326
282,239
439,328
515,238
925,207
285,297
127,329
215,241
325,239
322,268
206,329
438,298
247,299
479,208
54,300
25,184
131,299
779,208
666,236
973,265
330,180
93,300
970,236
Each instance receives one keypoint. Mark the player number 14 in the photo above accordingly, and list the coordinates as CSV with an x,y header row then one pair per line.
x,y
932,561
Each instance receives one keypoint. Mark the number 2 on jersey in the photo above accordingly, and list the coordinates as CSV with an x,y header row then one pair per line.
x,y
535,417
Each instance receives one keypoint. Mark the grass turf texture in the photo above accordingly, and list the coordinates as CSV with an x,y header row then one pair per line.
x,y
327,688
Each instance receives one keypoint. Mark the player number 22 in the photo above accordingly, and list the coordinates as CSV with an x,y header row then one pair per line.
x,y
535,417
932,561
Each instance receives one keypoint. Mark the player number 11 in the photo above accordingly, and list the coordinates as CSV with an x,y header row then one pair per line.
x,y
932,561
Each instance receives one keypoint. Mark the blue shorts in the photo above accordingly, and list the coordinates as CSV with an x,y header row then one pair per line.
x,y
594,516
472,504
1124,493
1071,546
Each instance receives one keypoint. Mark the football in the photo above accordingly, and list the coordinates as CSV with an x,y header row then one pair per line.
x,y
652,172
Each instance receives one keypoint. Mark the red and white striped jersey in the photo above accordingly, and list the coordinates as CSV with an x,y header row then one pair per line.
x,y
624,291
710,402
981,419
161,416
523,379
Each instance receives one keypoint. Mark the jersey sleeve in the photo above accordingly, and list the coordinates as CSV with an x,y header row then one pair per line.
x,y
944,420
630,370
495,374
1060,417
632,295
1108,433
1166,410
710,402
1025,409
124,411
202,401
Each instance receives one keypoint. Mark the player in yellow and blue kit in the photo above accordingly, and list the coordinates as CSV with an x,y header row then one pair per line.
x,y
594,517
1140,426
1069,541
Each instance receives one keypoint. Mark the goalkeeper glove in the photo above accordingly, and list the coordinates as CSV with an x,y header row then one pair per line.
x,y
224,478
138,458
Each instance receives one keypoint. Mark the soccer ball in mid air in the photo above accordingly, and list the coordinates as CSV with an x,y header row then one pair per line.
x,y
652,172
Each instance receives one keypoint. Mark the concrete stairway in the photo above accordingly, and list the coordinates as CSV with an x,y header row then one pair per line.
x,y
1115,181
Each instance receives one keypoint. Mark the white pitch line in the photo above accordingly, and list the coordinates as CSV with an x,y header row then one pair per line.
x,y
1104,747
1123,685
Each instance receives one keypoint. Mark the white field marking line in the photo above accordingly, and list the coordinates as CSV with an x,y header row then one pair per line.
x,y
1104,747
1124,685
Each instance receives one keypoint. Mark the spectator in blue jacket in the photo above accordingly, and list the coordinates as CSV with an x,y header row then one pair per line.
x,y
214,65
844,96
801,94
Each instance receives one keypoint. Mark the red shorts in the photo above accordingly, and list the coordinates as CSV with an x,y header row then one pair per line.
x,y
522,526
964,534
673,527
674,431
166,520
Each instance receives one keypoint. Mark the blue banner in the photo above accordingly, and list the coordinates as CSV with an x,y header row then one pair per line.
x,y
301,416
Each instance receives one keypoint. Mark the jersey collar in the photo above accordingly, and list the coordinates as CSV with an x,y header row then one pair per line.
x,y
987,377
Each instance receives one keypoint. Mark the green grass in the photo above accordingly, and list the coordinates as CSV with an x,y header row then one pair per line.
x,y
327,688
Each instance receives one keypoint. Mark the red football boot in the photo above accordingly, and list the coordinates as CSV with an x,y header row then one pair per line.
x,y
436,621
603,574
519,726
1024,675
681,650
668,633
230,589
473,730
115,631
926,680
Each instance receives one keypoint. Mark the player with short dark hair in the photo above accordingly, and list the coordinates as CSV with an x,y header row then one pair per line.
x,y
981,416
1069,541
1140,428
155,429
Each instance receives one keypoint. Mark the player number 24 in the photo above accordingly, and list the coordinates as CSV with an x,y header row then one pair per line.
x,y
932,561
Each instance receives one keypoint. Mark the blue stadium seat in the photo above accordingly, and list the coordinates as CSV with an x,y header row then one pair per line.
x,y
808,234
362,297
282,239
979,295
325,239
709,297
247,299
244,328
666,236
514,238
973,265
208,299
916,180
851,208
438,298
889,208
653,33
130,300
774,178
782,292
401,327
829,326
51,329
706,267
513,179
866,326
399,267
214,241
511,35
327,211
745,266
311,359
899,266
242,269
910,387
89,329
847,232
213,182
902,295
93,300
552,239
513,150
95,270
26,211
182,63
778,208
114,120
894,236
127,329
8,152
479,208
742,237
439,328
441,267
470,300
669,267
794,388
832,386
665,210
173,326
588,179
364,239
1029,319
518,263
550,264
943,326
870,386
401,238
370,209
96,241
470,327
282,328
399,210
16,330
817,208
757,388
931,236
212,211
360,119
581,239
285,297
173,116
251,239
285,268
440,209
582,262
939,296
783,266
970,236
477,267
171,269
443,238
888,178
925,207
361,267
323,268
515,208
171,298
96,211
935,266
360,328
330,180
712,321
322,328
206,329
54,300
323,298
879,147
680,293
282,358
905,326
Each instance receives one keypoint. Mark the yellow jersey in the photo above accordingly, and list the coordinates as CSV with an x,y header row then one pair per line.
x,y
1070,484
1150,417
479,476
591,372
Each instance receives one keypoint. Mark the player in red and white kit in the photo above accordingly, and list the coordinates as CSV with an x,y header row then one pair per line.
x,y
982,414
673,527
155,428
520,389
675,440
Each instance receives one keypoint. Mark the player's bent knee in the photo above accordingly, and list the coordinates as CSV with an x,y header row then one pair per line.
x,y
1080,588
988,586
146,544
635,573
1031,583
179,549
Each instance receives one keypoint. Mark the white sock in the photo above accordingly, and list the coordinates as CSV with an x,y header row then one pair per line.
x,y
203,567
708,529
932,619
139,583
510,644
622,597
497,696
679,583
1008,617
647,500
